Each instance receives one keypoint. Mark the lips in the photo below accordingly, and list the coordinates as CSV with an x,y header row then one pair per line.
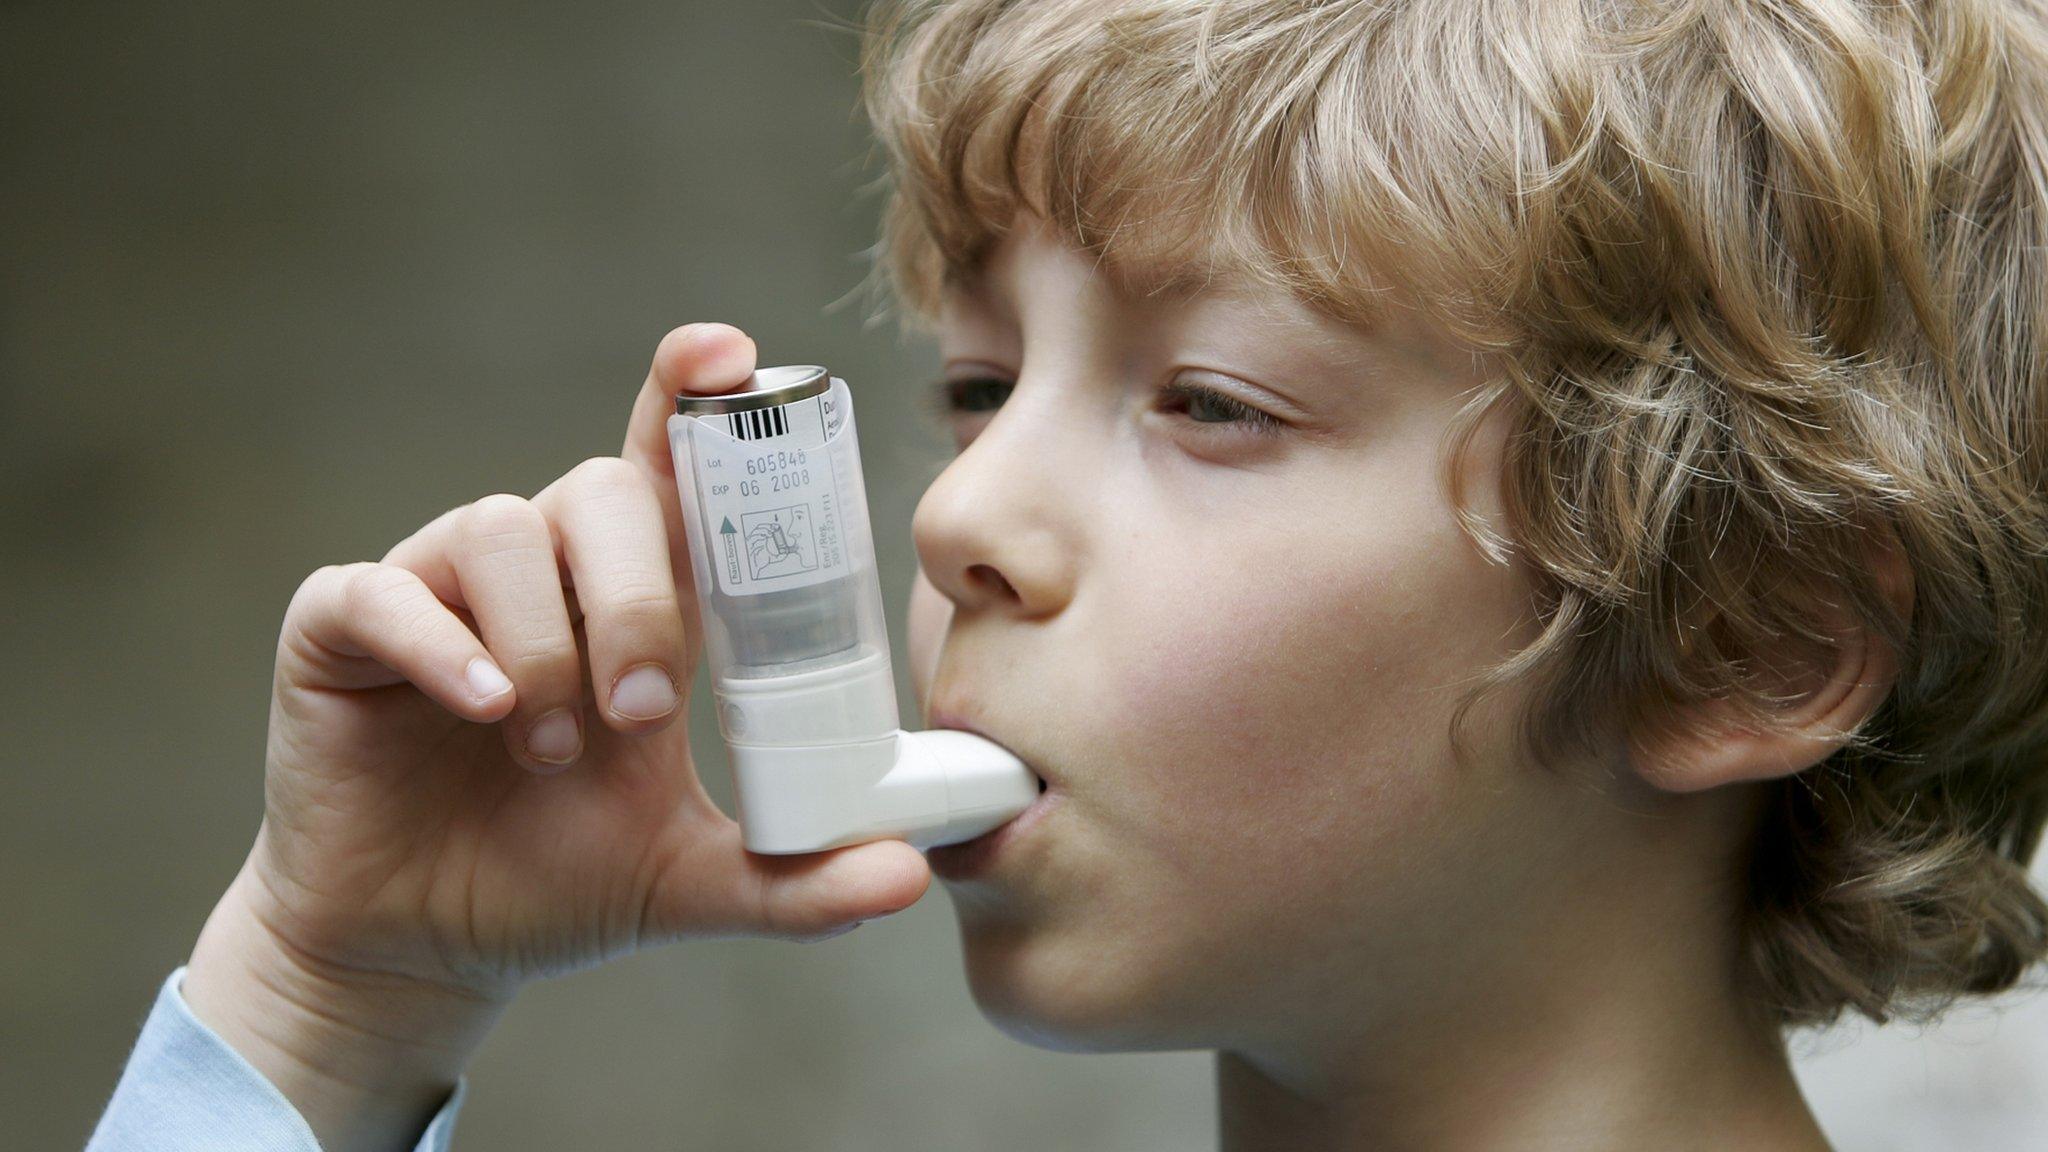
x,y
942,718
969,859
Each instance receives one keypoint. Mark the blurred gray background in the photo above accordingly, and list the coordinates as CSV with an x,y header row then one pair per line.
x,y
276,287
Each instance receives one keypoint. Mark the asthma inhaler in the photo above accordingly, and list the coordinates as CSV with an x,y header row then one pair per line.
x,y
776,514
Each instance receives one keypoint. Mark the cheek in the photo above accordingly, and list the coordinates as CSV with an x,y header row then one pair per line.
x,y
1287,702
1274,783
1291,685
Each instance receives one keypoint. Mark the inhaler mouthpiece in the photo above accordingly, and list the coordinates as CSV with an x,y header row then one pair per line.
x,y
776,516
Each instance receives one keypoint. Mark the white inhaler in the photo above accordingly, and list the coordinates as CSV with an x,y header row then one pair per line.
x,y
776,515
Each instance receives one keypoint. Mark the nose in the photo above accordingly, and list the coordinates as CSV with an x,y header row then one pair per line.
x,y
999,529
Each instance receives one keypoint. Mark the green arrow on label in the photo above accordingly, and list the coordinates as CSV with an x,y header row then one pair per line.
x,y
732,551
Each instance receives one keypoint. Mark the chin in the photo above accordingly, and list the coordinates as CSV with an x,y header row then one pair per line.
x,y
1063,998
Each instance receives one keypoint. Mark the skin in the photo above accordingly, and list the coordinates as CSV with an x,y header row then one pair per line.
x,y
1233,654
1242,654
418,861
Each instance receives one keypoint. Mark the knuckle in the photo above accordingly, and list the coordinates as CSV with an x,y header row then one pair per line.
x,y
602,489
801,926
768,912
373,587
325,584
780,914
605,474
323,579
637,598
502,518
426,532
543,662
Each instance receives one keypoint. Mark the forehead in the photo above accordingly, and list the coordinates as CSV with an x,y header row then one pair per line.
x,y
1138,263
1034,259
1131,278
1037,261
1032,256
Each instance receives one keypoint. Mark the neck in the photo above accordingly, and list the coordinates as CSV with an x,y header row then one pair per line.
x,y
1644,1040
1613,1077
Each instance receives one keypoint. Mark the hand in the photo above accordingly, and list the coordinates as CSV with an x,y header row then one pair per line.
x,y
478,774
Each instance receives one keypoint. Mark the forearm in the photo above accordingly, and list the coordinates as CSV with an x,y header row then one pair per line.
x,y
366,1059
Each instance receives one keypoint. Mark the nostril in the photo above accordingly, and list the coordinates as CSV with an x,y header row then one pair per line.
x,y
988,577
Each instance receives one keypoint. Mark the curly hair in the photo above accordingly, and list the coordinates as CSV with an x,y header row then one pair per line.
x,y
1768,282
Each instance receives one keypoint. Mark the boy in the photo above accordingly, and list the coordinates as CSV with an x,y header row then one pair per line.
x,y
1514,533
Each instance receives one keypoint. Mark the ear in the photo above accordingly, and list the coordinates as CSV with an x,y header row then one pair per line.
x,y
1826,699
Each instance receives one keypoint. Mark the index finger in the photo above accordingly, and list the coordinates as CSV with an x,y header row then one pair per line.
x,y
697,358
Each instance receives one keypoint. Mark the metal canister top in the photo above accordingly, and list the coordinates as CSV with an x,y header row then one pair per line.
x,y
766,388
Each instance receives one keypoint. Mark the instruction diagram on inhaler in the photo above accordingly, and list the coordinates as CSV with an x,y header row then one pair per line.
x,y
771,495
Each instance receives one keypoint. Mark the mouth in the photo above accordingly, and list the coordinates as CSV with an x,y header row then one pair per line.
x,y
941,718
968,860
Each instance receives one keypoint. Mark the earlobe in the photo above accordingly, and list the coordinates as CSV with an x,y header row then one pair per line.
x,y
1715,743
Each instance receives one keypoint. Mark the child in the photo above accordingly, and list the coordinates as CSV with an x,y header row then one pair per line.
x,y
1514,532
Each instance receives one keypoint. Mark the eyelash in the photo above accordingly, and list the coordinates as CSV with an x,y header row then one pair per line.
x,y
951,399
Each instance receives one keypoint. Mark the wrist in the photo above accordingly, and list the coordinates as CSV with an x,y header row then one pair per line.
x,y
367,1058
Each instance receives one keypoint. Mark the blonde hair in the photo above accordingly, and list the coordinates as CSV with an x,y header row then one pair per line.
x,y
1768,280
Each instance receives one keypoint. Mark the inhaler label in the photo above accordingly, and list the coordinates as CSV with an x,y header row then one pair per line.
x,y
771,502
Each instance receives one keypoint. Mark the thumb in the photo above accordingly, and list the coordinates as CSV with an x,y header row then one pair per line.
x,y
733,892
823,893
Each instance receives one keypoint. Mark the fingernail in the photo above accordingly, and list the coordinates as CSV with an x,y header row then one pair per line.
x,y
644,693
554,739
485,681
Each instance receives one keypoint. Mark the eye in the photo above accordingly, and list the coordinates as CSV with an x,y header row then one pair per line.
x,y
1208,406
971,396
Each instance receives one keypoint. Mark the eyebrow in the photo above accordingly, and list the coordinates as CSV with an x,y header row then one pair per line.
x,y
1155,282
970,280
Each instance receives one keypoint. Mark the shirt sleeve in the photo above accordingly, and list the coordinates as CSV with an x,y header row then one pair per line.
x,y
185,1089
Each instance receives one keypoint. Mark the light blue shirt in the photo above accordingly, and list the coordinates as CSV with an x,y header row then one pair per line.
x,y
186,1090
